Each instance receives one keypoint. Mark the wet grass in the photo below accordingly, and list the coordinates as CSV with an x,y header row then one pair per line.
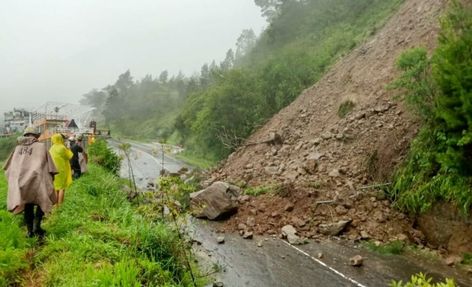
x,y
392,248
262,189
467,259
98,239
14,245
194,160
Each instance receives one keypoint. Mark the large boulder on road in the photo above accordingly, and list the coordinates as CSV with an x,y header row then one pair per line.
x,y
215,201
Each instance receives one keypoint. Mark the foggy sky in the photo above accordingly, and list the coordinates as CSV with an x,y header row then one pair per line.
x,y
57,50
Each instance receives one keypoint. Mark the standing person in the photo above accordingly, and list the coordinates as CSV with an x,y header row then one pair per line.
x,y
30,171
83,157
76,149
61,156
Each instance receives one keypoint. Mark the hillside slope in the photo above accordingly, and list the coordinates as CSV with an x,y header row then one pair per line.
x,y
324,157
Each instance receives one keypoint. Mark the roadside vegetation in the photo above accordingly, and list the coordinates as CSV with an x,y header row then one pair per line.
x,y
101,154
211,113
14,246
97,238
7,145
391,248
263,189
194,160
421,280
438,88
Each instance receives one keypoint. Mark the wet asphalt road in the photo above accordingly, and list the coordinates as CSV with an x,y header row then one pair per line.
x,y
269,261
147,160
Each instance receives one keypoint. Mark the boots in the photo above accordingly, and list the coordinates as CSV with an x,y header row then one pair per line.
x,y
33,221
29,218
37,230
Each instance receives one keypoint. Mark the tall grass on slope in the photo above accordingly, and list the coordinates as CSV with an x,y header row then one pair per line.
x,y
13,243
97,239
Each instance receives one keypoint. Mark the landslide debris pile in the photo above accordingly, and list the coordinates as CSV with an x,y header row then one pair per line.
x,y
319,155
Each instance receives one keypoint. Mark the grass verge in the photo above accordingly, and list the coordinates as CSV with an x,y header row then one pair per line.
x,y
14,246
392,248
97,238
6,146
193,160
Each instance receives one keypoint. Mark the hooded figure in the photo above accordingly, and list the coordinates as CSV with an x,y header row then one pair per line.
x,y
61,156
30,171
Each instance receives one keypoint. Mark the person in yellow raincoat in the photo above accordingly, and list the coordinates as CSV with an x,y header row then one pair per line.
x,y
61,156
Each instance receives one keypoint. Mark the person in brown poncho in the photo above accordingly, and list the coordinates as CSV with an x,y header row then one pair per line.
x,y
30,171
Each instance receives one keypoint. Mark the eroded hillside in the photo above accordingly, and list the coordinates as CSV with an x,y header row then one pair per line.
x,y
322,165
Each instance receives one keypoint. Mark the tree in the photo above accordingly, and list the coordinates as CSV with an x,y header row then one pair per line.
x,y
246,42
124,82
204,75
94,98
228,62
269,8
164,76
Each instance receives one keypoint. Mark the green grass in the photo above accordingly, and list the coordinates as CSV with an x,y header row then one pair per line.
x,y
261,189
467,259
345,108
97,238
195,160
13,243
6,146
392,248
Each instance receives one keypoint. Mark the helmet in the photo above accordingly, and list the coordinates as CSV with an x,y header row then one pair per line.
x,y
31,131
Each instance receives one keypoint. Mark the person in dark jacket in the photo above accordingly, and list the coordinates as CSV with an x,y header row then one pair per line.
x,y
74,162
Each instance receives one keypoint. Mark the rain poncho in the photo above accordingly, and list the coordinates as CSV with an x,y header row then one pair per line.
x,y
29,171
61,156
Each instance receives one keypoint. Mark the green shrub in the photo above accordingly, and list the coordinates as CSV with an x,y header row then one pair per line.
x,y
467,259
439,165
100,153
345,108
176,189
420,280
416,80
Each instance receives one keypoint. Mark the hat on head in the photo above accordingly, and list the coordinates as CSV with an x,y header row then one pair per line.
x,y
31,131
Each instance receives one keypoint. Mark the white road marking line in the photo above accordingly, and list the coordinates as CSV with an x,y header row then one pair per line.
x,y
325,265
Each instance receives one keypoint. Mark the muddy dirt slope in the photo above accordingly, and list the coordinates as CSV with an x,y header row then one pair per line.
x,y
322,165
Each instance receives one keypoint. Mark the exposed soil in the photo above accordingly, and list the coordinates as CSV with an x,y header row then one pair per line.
x,y
445,228
322,157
